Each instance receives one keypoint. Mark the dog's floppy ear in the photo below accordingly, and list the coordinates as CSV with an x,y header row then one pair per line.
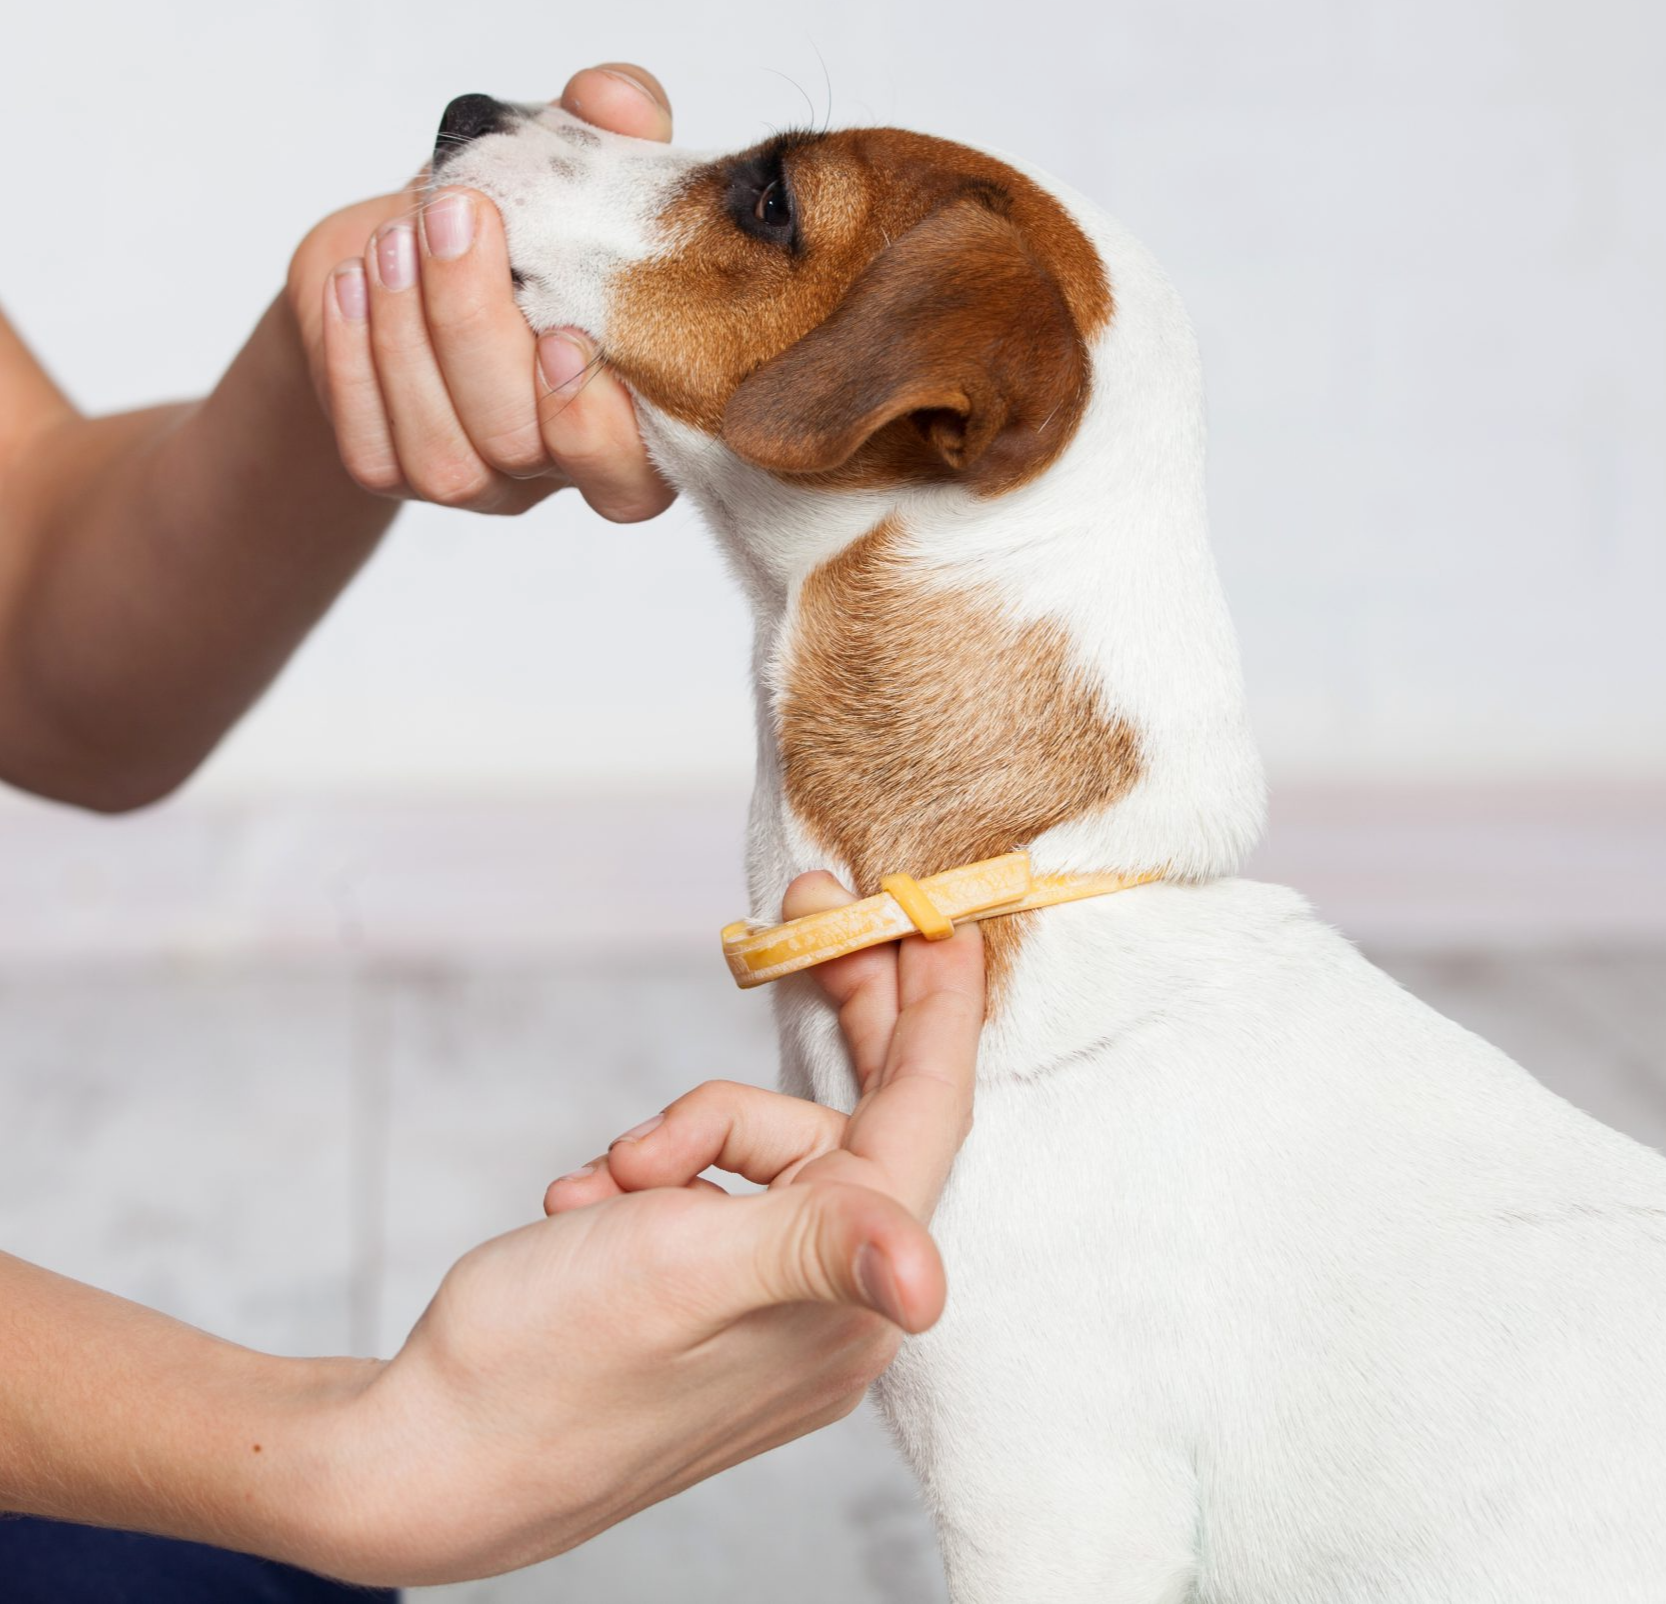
x,y
953,355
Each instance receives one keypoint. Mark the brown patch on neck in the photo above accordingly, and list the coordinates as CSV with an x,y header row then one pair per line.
x,y
921,728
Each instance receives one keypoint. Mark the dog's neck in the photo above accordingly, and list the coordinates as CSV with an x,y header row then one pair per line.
x,y
940,678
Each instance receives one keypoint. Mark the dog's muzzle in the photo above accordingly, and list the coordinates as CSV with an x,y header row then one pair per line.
x,y
466,119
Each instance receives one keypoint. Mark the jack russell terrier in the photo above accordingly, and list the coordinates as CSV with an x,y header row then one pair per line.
x,y
1269,1283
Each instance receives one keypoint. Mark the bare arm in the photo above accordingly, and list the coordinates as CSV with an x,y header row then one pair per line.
x,y
116,1415
157,568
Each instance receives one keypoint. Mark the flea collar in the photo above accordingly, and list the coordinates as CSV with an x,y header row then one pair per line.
x,y
932,908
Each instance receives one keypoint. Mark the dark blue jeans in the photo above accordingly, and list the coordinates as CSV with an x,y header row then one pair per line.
x,y
49,1562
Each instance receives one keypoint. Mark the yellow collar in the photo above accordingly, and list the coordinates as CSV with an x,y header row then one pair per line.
x,y
931,907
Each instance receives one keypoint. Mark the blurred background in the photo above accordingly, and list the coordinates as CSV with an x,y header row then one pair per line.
x,y
274,1053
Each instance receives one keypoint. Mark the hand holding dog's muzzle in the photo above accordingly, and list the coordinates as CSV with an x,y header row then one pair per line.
x,y
436,388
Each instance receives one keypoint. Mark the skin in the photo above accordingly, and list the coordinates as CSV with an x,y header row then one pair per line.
x,y
156,570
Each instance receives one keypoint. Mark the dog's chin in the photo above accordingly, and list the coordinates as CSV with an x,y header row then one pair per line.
x,y
566,290
540,310
541,317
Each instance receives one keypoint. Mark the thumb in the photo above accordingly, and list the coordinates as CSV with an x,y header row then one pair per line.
x,y
834,1243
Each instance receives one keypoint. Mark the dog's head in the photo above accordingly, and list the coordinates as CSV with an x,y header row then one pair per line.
x,y
863,308
848,347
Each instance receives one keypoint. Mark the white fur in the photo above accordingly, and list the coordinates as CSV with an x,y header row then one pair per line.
x,y
1267,1282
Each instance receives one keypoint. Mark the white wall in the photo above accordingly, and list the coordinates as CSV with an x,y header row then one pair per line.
x,y
1424,245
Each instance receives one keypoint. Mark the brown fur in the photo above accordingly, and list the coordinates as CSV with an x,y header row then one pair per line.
x,y
978,283
920,728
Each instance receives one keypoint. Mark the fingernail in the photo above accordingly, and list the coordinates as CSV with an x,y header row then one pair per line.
x,y
448,226
396,256
626,76
351,298
878,1284
637,1132
563,358
582,1173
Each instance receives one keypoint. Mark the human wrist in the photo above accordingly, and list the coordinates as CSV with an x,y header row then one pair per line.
x,y
364,1512
420,1486
115,1415
281,1475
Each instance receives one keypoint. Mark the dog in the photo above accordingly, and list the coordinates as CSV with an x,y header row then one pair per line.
x,y
1268,1283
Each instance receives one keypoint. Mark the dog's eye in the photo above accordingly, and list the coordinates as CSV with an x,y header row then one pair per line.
x,y
760,200
772,208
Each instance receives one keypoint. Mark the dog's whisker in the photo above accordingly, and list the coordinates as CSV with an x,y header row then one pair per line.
x,y
827,84
809,105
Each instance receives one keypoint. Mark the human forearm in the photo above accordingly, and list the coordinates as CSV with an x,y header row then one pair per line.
x,y
112,1414
162,566
157,569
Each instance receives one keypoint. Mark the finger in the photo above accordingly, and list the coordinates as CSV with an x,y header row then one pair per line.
x,y
438,461
842,978
593,1184
928,969
863,985
481,341
588,425
369,215
819,1244
745,1130
621,97
914,1121
352,395
343,233
578,1189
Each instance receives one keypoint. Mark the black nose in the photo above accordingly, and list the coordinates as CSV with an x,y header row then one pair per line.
x,y
468,117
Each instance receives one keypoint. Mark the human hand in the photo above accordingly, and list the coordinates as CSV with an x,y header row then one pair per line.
x,y
436,388
911,1014
656,1330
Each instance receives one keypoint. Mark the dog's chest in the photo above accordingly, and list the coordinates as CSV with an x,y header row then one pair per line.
x,y
1285,1245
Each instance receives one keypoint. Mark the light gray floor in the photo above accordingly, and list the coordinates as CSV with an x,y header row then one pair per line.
x,y
293,1157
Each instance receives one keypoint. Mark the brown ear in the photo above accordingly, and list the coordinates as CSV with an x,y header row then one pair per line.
x,y
954,355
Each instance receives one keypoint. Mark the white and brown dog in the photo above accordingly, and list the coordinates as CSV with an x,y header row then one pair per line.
x,y
1268,1283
